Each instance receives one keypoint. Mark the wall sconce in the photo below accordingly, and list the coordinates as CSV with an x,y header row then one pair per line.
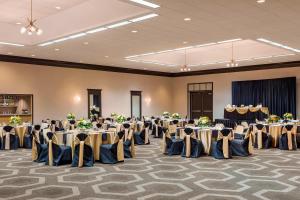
x,y
77,99
148,100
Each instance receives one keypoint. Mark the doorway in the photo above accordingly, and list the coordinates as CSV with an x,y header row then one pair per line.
x,y
136,104
94,103
200,100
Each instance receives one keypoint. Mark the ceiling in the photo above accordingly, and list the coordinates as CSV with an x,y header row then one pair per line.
x,y
211,21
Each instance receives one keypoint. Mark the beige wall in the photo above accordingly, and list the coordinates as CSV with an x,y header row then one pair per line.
x,y
222,87
54,90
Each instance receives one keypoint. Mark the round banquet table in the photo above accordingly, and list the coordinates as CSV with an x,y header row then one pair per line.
x,y
98,137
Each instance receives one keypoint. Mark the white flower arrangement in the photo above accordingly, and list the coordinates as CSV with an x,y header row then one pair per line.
x,y
166,114
203,121
175,116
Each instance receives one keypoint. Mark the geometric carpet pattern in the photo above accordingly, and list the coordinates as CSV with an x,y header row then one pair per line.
x,y
268,174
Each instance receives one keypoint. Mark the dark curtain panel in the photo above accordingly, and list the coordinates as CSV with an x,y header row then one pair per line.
x,y
279,95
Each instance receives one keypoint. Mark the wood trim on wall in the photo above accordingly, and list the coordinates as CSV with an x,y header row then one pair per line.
x,y
73,65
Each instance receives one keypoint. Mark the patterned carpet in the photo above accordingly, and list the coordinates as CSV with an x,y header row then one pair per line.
x,y
269,174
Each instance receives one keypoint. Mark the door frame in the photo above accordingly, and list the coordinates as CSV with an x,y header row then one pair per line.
x,y
136,93
189,98
96,92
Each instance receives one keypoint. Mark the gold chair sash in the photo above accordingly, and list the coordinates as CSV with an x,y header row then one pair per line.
x,y
188,147
156,130
81,144
120,148
259,137
250,144
21,131
34,153
226,140
7,138
147,135
50,149
132,147
172,128
163,144
290,135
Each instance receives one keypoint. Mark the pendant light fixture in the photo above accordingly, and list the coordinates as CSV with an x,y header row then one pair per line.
x,y
232,62
185,68
31,28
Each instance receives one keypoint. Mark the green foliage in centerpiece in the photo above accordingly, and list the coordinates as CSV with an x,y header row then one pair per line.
x,y
166,114
204,121
15,120
273,119
84,124
113,115
120,119
176,116
288,116
71,116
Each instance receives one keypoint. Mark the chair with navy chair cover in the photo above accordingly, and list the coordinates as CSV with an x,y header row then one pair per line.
x,y
171,146
262,140
113,153
83,152
221,149
127,128
142,138
53,126
10,140
39,150
192,147
27,143
157,130
72,124
243,146
129,148
57,154
191,123
287,139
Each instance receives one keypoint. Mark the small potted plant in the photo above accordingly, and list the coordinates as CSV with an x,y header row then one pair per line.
x,y
15,120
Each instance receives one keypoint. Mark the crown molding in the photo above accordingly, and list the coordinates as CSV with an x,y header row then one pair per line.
x,y
73,65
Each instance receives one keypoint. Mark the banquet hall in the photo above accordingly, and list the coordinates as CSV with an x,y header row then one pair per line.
x,y
149,99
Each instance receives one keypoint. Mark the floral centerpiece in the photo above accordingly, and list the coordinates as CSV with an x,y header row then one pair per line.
x,y
15,120
288,116
175,116
71,116
166,114
273,119
204,121
113,115
84,124
120,119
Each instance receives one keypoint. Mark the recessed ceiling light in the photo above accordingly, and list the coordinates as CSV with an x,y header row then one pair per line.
x,y
185,42
57,7
9,53
86,43
134,31
80,61
187,19
56,49
18,23
106,56
261,1
146,3
12,44
119,24
144,17
32,55
145,68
